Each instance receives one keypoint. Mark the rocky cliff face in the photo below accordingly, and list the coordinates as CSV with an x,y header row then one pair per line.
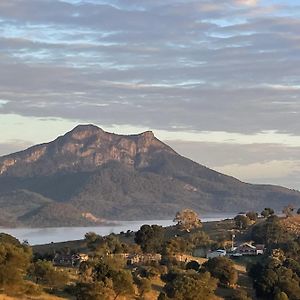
x,y
84,148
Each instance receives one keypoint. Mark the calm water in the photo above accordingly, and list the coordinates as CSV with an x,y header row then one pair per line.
x,y
36,236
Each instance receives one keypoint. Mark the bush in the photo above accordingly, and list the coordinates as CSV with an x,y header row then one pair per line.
x,y
223,269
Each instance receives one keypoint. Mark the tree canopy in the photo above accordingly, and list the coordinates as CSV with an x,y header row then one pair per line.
x,y
187,219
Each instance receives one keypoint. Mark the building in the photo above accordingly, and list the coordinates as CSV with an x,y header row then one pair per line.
x,y
143,258
67,260
249,249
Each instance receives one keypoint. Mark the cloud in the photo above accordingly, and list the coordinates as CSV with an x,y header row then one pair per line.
x,y
199,66
254,163
12,146
247,2
261,171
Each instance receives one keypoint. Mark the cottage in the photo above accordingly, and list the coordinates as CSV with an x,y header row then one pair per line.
x,y
67,260
249,249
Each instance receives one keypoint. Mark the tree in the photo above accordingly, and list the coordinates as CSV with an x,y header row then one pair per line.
x,y
43,271
298,211
14,261
187,219
92,239
239,295
150,238
223,269
9,239
288,210
199,239
104,277
122,283
190,286
242,222
267,212
252,215
272,278
176,245
269,232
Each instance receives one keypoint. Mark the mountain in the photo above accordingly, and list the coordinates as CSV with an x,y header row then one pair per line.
x,y
89,175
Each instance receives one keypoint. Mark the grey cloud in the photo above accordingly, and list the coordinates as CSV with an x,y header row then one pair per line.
x,y
250,163
220,154
178,63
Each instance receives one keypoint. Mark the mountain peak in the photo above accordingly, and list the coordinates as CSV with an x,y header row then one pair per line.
x,y
83,131
84,148
148,134
85,127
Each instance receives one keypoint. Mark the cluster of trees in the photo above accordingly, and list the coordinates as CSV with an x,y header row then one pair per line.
x,y
154,239
270,232
19,274
277,276
150,238
198,282
186,236
242,221
109,244
103,279
43,272
188,285
14,261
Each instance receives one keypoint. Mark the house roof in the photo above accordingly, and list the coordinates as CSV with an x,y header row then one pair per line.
x,y
247,245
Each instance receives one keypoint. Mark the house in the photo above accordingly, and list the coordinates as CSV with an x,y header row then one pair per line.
x,y
143,258
246,249
249,249
67,260
216,253
260,249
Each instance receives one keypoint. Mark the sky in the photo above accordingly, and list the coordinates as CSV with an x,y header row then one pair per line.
x,y
218,80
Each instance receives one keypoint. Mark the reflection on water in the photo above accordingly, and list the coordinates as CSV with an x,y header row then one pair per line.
x,y
36,236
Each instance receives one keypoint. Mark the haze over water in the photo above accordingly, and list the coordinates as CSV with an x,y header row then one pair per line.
x,y
37,236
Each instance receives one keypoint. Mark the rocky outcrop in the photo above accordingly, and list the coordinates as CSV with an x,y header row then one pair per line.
x,y
84,148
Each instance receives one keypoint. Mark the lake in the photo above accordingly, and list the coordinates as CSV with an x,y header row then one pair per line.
x,y
37,236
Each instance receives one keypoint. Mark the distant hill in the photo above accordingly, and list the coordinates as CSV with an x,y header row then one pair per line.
x,y
89,175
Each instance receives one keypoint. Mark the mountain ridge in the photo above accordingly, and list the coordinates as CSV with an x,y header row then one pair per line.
x,y
92,147
90,172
